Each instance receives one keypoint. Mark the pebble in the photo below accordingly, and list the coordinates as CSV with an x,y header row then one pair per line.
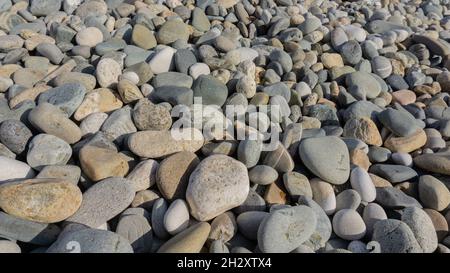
x,y
395,236
45,150
433,193
333,168
94,93
390,197
91,241
349,225
107,72
223,227
137,230
41,200
348,199
362,183
422,228
262,175
176,218
371,215
143,176
162,61
26,231
11,169
164,143
217,184
99,163
90,36
190,240
15,135
249,222
70,173
103,201
363,128
149,116
285,229
393,173
323,194
400,123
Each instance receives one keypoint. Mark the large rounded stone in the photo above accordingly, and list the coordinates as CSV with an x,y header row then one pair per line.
x,y
326,157
217,184
40,200
422,228
349,225
45,150
173,174
103,201
433,193
394,236
284,230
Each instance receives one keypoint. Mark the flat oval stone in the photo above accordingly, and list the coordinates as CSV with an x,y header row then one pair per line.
x,y
349,225
173,174
406,144
217,184
393,173
103,201
285,229
90,240
262,175
46,150
394,236
27,231
394,198
99,100
40,200
400,123
164,143
436,163
159,210
366,82
51,120
331,167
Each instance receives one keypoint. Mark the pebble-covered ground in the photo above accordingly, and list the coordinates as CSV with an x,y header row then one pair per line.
x,y
358,161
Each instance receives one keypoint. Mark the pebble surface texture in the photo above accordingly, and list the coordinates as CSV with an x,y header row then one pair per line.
x,y
101,142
